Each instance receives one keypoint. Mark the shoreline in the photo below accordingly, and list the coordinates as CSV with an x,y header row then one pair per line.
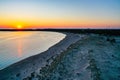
x,y
87,59
24,68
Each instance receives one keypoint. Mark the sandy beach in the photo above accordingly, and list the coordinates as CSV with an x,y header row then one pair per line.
x,y
76,57
27,66
59,39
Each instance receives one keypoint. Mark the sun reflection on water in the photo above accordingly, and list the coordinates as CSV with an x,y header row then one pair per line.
x,y
19,49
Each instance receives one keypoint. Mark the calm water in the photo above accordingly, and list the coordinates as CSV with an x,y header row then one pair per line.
x,y
15,46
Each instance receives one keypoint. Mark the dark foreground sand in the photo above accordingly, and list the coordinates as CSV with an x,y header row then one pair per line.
x,y
77,57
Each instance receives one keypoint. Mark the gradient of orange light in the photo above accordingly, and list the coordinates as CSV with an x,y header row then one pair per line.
x,y
53,23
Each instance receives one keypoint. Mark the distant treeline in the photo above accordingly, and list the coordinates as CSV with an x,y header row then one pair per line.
x,y
87,31
81,31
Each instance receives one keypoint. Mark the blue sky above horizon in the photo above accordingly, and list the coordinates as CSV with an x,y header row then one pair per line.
x,y
60,13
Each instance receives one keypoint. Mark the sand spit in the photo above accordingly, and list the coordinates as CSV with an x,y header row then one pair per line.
x,y
25,69
93,57
76,57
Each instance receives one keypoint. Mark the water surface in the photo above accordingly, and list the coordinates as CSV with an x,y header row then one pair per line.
x,y
15,46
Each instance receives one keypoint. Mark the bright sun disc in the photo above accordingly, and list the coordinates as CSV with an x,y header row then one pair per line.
x,y
19,27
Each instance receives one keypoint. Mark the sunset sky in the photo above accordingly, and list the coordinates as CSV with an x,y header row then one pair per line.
x,y
59,13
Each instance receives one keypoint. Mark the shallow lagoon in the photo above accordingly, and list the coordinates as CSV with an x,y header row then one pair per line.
x,y
16,46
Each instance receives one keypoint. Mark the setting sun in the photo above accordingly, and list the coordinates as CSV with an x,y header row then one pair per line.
x,y
19,27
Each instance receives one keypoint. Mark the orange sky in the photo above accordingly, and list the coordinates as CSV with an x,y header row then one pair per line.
x,y
59,14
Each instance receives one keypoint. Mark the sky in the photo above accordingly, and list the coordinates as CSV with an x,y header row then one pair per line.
x,y
60,13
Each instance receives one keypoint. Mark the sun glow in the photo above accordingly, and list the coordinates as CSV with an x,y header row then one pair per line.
x,y
19,26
